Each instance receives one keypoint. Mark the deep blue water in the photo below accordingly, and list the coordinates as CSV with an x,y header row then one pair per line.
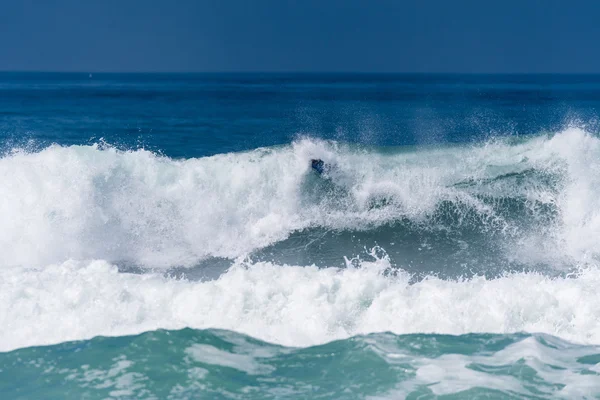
x,y
163,236
194,115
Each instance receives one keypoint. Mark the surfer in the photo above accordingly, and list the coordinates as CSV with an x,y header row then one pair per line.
x,y
318,165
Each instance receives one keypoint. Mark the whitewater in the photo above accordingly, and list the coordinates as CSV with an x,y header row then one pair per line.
x,y
164,237
98,241
89,202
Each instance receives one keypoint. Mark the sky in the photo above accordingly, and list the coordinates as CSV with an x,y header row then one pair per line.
x,y
423,36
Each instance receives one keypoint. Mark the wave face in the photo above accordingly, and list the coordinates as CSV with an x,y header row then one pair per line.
x,y
475,208
221,364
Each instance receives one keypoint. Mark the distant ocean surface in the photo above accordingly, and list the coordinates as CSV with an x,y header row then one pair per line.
x,y
164,236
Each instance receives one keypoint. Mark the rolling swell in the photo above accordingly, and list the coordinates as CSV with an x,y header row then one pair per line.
x,y
224,364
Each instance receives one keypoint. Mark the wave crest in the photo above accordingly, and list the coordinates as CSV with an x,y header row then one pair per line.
x,y
85,202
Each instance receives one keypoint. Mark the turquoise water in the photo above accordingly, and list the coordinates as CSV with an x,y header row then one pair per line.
x,y
224,365
163,236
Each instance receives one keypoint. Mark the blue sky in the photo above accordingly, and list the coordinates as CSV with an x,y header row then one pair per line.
x,y
527,36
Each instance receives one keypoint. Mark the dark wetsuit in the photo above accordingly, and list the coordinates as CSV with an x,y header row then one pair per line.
x,y
318,165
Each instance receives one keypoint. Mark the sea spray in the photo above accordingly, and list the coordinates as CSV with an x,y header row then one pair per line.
x,y
83,202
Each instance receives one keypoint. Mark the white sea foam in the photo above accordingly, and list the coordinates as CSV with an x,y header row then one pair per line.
x,y
296,306
65,205
83,202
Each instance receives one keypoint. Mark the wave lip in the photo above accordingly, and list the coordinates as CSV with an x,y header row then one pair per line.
x,y
204,363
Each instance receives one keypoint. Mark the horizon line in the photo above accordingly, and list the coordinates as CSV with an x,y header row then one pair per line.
x,y
290,72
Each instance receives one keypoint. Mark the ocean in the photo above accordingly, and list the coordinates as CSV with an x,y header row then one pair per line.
x,y
163,236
